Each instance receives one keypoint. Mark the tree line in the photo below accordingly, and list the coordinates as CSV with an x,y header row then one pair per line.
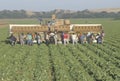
x,y
61,14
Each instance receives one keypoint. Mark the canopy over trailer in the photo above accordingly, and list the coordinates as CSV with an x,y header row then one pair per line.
x,y
78,28
84,28
18,28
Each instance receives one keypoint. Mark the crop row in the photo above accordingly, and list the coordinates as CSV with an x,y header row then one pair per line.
x,y
101,59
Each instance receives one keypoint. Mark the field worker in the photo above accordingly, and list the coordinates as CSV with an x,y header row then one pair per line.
x,y
21,38
97,36
91,38
29,39
99,40
51,38
66,38
62,37
47,38
12,40
38,38
102,35
40,20
94,38
83,39
49,25
88,37
74,38
55,38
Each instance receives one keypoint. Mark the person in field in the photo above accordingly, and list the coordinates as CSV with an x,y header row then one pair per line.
x,y
29,39
66,38
99,38
102,35
12,40
38,38
21,39
74,39
62,37
49,25
51,38
94,38
40,20
55,38
83,38
91,38
47,38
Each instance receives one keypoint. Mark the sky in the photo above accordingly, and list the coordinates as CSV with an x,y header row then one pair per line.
x,y
47,5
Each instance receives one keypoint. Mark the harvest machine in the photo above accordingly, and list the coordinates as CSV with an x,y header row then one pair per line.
x,y
55,25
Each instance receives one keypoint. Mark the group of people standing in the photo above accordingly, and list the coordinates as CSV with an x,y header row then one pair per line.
x,y
24,39
56,38
92,38
88,37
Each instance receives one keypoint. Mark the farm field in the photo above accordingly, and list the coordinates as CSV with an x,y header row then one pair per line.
x,y
87,62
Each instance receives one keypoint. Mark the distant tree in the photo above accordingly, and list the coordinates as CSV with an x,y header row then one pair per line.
x,y
117,16
60,14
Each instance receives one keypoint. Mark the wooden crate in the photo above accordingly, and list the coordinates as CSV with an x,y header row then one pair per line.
x,y
59,22
62,28
87,28
53,17
67,22
29,29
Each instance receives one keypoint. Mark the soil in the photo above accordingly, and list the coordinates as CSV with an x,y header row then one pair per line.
x,y
3,24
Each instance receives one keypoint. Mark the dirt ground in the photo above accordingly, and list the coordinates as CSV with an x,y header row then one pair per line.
x,y
3,24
